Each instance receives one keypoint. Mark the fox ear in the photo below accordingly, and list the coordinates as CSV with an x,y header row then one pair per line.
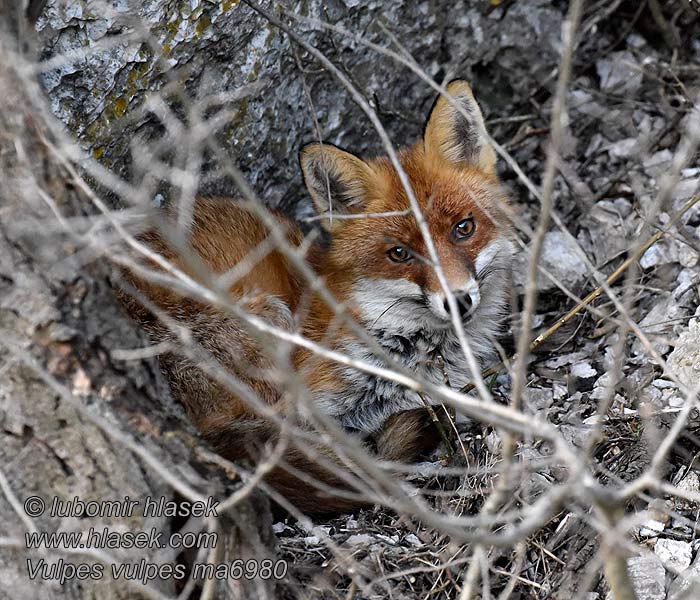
x,y
455,130
336,180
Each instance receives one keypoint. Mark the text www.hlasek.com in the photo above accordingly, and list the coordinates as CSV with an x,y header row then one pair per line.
x,y
126,540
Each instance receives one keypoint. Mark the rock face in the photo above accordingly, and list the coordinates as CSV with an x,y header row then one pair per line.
x,y
119,58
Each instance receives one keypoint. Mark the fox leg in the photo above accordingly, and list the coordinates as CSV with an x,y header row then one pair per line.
x,y
410,434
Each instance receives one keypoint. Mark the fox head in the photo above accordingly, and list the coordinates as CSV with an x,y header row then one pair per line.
x,y
378,259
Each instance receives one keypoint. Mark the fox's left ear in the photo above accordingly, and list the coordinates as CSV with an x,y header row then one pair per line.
x,y
336,179
455,130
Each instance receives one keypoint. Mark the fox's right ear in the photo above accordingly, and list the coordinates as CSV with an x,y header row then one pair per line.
x,y
455,130
336,180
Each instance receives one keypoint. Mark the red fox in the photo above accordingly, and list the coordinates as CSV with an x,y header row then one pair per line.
x,y
376,264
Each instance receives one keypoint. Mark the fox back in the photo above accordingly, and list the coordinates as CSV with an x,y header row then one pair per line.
x,y
395,284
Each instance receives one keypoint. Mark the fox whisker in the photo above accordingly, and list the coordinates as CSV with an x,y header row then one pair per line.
x,y
385,311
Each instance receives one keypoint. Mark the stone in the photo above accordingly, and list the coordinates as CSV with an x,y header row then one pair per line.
x,y
687,584
412,539
690,483
651,528
583,370
675,553
648,577
561,257
360,539
684,361
619,73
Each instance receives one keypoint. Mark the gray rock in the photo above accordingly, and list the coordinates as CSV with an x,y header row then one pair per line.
x,y
584,102
687,584
658,324
583,370
684,361
651,528
675,553
561,258
658,163
648,577
619,73
539,399
360,539
689,482
624,148
662,253
412,539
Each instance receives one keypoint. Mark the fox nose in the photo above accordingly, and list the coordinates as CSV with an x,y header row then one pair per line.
x,y
466,303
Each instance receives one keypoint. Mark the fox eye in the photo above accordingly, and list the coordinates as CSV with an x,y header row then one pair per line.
x,y
399,254
464,229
